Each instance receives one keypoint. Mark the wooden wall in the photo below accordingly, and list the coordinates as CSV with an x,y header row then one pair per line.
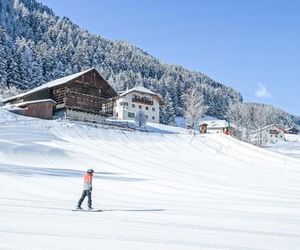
x,y
38,95
43,110
88,93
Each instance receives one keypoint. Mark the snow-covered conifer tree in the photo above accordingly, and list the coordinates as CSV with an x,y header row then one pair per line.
x,y
167,112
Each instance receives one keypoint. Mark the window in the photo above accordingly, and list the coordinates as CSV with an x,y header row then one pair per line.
x,y
130,114
153,117
153,109
147,107
140,106
147,116
123,103
117,114
133,105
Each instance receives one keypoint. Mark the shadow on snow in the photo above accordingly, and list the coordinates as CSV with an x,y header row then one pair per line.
x,y
60,172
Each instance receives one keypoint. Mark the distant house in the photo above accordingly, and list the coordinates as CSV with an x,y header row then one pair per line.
x,y
292,131
269,134
83,96
218,127
139,98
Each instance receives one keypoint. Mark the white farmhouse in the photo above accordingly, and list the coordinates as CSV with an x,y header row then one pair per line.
x,y
272,134
218,126
139,98
268,135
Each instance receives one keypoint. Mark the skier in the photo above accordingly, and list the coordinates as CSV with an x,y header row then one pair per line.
x,y
87,189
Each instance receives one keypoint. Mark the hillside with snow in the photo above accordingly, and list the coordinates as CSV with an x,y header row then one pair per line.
x,y
37,46
159,190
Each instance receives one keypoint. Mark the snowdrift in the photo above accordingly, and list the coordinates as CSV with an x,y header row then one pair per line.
x,y
163,190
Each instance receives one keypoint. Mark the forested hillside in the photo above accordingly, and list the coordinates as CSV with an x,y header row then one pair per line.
x,y
37,46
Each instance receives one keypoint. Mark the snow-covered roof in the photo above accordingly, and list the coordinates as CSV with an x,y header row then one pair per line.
x,y
272,125
48,85
216,123
139,89
292,129
35,101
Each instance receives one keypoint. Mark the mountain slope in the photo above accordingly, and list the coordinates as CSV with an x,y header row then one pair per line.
x,y
38,46
158,191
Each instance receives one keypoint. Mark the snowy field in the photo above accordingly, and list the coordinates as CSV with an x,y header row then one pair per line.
x,y
291,147
157,190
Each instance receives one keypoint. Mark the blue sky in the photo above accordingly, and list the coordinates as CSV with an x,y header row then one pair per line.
x,y
252,46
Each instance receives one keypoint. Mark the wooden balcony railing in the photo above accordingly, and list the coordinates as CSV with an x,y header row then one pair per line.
x,y
143,100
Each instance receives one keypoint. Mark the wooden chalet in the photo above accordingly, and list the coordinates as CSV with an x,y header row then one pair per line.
x,y
84,96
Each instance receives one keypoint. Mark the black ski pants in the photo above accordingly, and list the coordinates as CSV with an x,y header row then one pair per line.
x,y
85,193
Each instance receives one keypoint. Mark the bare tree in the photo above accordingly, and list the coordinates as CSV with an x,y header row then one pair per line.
x,y
141,118
250,120
194,105
238,116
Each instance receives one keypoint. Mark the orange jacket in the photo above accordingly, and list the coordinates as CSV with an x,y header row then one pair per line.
x,y
87,181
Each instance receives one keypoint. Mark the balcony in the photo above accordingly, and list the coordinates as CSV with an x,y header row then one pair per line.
x,y
142,100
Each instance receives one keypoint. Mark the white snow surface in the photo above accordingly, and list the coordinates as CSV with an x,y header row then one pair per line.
x,y
158,190
290,148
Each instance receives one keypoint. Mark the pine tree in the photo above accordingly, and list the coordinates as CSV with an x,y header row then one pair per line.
x,y
56,47
13,75
3,56
167,112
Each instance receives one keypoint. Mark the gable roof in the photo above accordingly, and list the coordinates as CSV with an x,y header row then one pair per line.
x,y
54,83
273,125
139,89
144,90
216,123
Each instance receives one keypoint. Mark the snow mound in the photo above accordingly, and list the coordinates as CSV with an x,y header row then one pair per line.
x,y
157,190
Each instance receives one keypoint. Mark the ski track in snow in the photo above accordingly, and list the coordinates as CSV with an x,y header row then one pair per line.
x,y
158,191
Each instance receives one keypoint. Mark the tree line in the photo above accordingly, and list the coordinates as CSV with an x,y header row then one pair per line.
x,y
36,47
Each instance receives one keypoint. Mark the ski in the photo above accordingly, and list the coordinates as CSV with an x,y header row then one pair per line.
x,y
88,210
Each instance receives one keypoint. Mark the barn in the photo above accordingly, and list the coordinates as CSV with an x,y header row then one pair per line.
x,y
82,96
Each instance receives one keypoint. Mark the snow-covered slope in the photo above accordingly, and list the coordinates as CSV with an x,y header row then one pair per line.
x,y
290,146
157,190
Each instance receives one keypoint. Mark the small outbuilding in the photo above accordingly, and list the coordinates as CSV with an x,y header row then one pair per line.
x,y
203,128
39,108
